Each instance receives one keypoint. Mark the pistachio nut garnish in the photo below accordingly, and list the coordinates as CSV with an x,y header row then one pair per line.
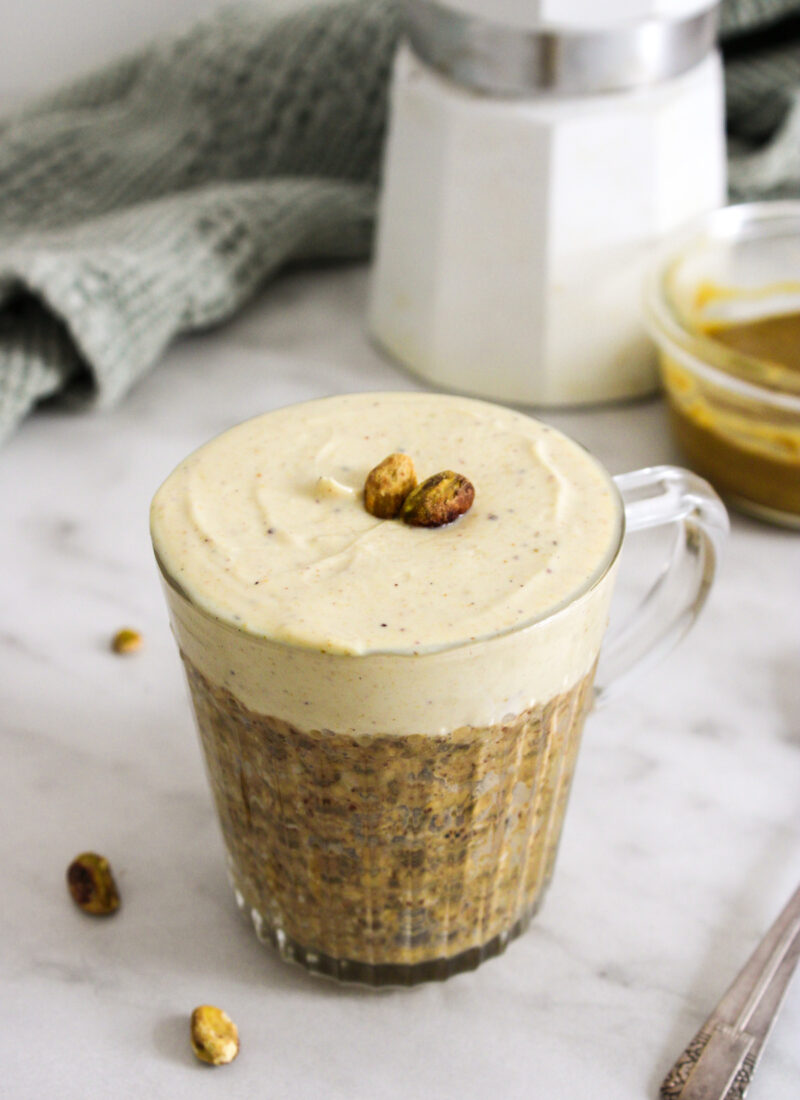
x,y
388,485
215,1037
126,640
92,885
440,499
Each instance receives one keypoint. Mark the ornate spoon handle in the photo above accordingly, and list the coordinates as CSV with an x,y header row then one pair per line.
x,y
719,1062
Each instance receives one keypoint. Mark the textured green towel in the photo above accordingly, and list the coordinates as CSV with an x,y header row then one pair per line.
x,y
156,196
761,46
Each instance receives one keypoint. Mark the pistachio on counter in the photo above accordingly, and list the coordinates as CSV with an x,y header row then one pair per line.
x,y
126,641
215,1037
92,885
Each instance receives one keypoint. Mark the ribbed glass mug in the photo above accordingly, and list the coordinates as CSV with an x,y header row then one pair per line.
x,y
407,850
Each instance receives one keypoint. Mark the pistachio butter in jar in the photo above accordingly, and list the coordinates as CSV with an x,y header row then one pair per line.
x,y
724,309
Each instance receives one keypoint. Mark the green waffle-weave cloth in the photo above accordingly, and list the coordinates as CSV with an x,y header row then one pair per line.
x,y
156,196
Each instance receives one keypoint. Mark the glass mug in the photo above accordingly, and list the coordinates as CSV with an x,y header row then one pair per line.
x,y
389,856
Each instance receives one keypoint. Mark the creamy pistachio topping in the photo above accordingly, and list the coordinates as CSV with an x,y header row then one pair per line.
x,y
265,526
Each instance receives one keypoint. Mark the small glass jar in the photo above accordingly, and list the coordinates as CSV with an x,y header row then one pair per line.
x,y
735,414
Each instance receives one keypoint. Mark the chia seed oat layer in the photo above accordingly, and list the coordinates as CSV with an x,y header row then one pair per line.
x,y
389,859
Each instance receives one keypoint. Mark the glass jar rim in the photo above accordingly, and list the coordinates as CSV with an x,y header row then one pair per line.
x,y
746,375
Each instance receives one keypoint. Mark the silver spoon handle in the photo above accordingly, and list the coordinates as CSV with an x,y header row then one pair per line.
x,y
720,1061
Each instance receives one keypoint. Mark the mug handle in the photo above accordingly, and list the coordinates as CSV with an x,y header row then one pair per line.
x,y
660,496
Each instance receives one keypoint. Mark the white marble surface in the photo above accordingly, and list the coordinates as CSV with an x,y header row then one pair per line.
x,y
682,839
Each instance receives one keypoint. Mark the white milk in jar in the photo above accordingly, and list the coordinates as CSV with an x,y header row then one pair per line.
x,y
534,159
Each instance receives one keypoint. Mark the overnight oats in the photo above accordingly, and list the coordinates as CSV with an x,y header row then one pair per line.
x,y
390,713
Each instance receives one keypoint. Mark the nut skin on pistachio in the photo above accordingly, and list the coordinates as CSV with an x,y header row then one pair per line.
x,y
215,1037
92,885
388,484
440,499
126,641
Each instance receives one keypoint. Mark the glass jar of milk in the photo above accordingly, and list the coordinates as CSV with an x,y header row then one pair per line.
x,y
534,158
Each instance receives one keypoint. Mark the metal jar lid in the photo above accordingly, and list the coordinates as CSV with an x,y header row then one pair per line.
x,y
504,60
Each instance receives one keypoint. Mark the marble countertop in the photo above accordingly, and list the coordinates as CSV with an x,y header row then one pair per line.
x,y
682,840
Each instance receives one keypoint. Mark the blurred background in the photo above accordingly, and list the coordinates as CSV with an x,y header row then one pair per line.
x,y
44,43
